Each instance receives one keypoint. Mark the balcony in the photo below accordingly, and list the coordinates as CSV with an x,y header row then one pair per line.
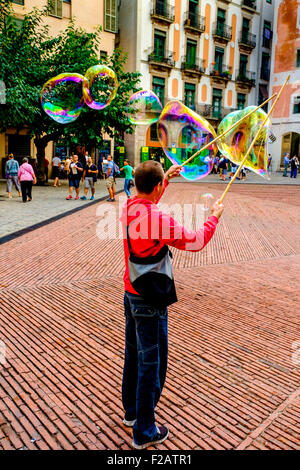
x,y
245,79
249,5
192,68
220,74
210,112
222,32
162,12
194,23
247,41
161,62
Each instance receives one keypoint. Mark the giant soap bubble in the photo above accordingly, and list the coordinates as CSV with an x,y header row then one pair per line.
x,y
182,132
144,108
235,143
61,97
101,86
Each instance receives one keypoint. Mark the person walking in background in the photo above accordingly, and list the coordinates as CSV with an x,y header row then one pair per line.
x,y
269,164
286,162
223,165
90,177
56,167
294,166
215,165
46,169
129,172
110,180
11,173
75,175
27,177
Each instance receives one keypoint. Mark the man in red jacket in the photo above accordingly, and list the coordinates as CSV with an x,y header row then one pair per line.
x,y
149,289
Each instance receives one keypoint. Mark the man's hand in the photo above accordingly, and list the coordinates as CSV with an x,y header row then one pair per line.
x,y
172,172
217,209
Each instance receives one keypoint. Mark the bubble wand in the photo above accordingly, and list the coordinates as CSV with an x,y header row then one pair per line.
x,y
254,140
228,130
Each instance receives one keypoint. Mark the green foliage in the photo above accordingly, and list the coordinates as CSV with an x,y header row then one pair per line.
x,y
29,57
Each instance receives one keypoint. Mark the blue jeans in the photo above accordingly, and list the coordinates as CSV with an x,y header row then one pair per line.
x,y
145,367
294,172
285,169
127,187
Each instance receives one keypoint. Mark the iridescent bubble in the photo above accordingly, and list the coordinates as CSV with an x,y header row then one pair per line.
x,y
101,86
235,144
144,108
61,97
207,200
182,132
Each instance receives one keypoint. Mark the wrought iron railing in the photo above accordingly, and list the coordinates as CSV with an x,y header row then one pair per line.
x,y
223,71
245,77
194,65
194,21
247,38
163,9
222,30
166,59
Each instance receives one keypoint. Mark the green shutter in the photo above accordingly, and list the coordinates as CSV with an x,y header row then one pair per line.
x,y
59,5
111,16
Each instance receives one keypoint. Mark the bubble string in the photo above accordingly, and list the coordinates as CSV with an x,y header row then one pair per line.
x,y
228,130
254,140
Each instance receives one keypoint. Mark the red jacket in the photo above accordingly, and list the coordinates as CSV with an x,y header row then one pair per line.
x,y
150,229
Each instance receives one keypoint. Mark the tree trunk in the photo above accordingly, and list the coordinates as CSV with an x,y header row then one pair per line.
x,y
41,144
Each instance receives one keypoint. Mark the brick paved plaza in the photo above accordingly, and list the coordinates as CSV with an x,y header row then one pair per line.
x,y
234,378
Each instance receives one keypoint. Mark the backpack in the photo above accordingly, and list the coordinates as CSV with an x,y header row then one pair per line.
x,y
116,170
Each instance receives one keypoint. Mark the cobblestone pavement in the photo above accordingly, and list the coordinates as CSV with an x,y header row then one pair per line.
x,y
50,202
233,376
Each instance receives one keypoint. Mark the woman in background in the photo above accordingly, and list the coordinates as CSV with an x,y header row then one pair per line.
x,y
26,176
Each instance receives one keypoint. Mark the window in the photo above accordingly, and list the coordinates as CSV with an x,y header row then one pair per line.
x,y
265,69
158,85
153,133
245,29
160,7
193,11
111,15
56,8
18,23
220,21
219,57
296,109
298,58
267,34
243,65
189,95
241,101
19,2
103,55
217,102
159,44
191,48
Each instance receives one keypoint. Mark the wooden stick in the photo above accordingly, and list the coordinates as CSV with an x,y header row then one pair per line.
x,y
253,142
228,130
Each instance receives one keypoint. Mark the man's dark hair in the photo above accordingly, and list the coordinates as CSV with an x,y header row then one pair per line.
x,y
148,174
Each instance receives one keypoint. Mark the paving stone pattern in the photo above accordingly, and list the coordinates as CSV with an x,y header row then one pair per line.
x,y
232,382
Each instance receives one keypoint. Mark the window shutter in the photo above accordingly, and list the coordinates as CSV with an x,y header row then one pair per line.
x,y
59,8
56,7
111,16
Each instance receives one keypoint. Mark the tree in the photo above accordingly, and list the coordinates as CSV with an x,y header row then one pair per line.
x,y
29,57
